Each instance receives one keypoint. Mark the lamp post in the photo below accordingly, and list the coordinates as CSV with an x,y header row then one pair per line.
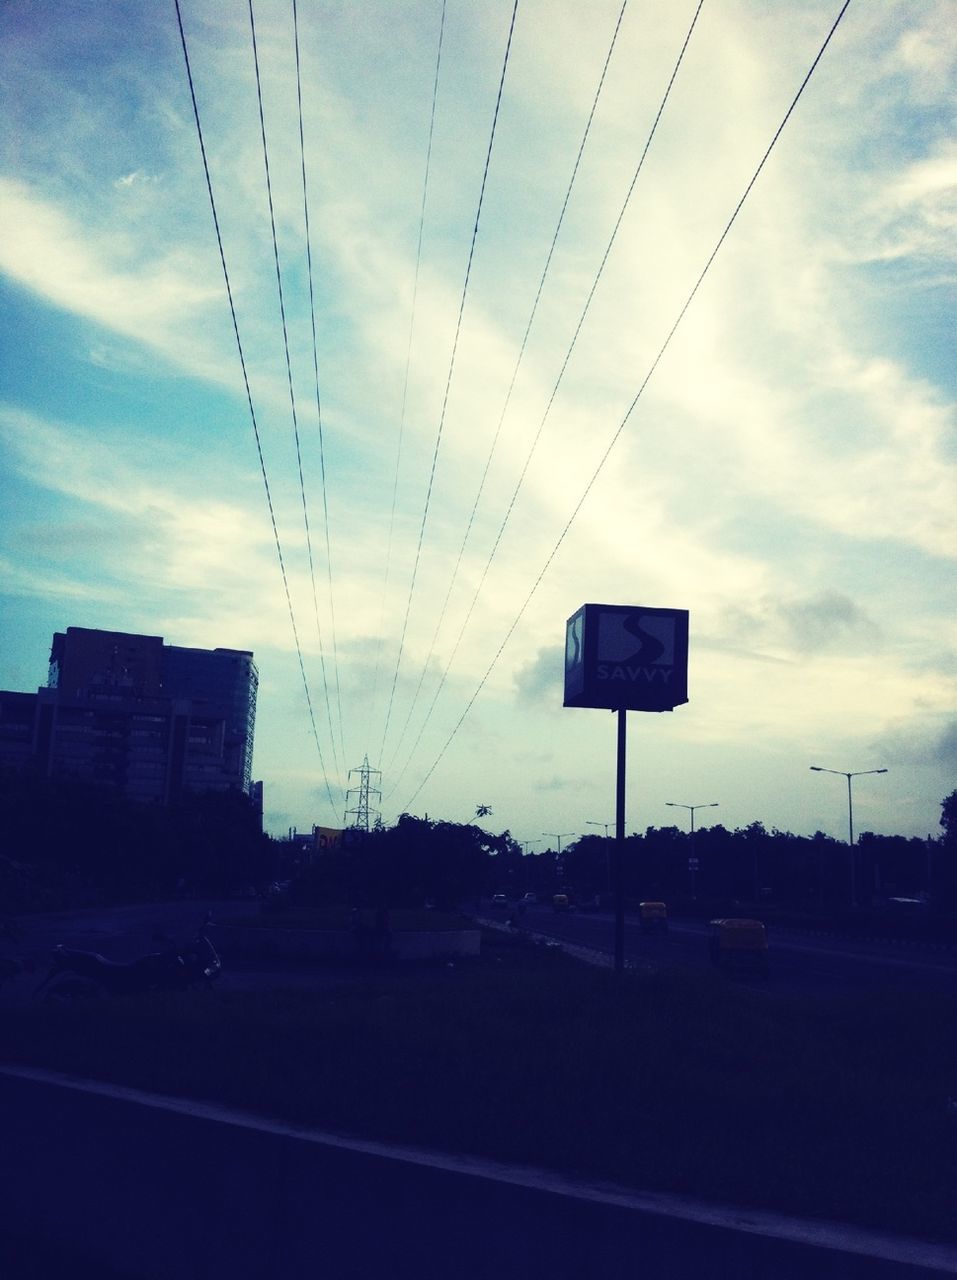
x,y
559,836
590,822
692,861
841,773
527,844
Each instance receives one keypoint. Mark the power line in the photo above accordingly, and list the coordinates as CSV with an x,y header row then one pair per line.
x,y
315,366
408,362
249,399
564,366
448,382
508,397
292,394
647,378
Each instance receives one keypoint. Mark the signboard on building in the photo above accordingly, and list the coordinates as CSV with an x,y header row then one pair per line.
x,y
626,657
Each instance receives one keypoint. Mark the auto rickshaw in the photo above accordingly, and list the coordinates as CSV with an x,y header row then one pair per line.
x,y
739,946
560,902
653,917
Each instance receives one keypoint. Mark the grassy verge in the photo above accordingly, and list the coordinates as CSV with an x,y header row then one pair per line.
x,y
340,918
663,1080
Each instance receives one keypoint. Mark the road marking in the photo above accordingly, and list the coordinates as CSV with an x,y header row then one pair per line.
x,y
808,1231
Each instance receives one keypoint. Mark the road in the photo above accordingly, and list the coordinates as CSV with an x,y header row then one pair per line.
x,y
798,961
66,1157
155,1191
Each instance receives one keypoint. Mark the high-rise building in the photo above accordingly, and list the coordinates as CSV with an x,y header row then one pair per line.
x,y
130,712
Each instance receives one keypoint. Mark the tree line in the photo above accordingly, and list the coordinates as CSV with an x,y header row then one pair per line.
x,y
64,842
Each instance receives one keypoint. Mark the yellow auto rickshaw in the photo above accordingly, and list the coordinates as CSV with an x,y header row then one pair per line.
x,y
739,945
653,917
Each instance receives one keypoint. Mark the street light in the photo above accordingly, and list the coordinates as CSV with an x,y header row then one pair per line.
x,y
841,773
589,822
692,807
559,836
527,844
713,804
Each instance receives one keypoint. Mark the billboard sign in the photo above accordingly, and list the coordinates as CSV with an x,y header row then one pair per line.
x,y
626,657
327,839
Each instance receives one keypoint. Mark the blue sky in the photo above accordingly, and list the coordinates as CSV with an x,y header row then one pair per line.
x,y
788,475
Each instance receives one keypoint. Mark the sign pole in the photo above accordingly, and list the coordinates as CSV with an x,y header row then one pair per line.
x,y
620,847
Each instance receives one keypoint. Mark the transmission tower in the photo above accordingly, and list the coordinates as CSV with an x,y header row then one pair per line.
x,y
363,791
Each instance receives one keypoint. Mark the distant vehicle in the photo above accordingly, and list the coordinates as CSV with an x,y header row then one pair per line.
x,y
739,945
529,897
560,902
499,900
653,917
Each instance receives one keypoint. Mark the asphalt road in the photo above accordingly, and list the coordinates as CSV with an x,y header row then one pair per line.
x,y
798,961
361,1217
156,1193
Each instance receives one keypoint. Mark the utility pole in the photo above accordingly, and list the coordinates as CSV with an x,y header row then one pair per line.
x,y
693,859
364,790
842,773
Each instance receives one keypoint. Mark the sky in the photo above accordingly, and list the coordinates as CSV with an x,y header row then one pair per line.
x,y
786,474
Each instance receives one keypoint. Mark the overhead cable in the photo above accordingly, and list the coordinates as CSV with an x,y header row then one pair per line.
x,y
448,381
408,363
292,394
249,401
315,366
498,429
624,422
564,366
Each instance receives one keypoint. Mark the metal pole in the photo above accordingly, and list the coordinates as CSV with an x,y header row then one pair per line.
x,y
620,847
816,768
694,896
850,842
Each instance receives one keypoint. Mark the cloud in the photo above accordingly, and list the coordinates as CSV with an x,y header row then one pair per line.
x,y
136,178
44,249
542,680
827,621
945,749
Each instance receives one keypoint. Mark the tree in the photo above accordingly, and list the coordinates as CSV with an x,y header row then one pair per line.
x,y
483,811
948,819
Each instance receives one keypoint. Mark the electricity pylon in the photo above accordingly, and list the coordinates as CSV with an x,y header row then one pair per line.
x,y
363,791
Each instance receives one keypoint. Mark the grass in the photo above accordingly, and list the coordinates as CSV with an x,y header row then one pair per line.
x,y
663,1080
283,916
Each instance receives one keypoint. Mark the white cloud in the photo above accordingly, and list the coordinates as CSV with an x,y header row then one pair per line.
x,y
784,465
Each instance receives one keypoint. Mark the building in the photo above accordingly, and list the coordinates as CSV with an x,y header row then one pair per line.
x,y
130,712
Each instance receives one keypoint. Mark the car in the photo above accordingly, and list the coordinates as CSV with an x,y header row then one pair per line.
x,y
653,917
499,900
529,897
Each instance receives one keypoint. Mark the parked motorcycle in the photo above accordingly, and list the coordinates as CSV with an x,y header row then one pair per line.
x,y
76,973
9,966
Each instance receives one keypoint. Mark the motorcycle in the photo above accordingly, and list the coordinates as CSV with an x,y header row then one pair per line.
x,y
76,973
9,966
